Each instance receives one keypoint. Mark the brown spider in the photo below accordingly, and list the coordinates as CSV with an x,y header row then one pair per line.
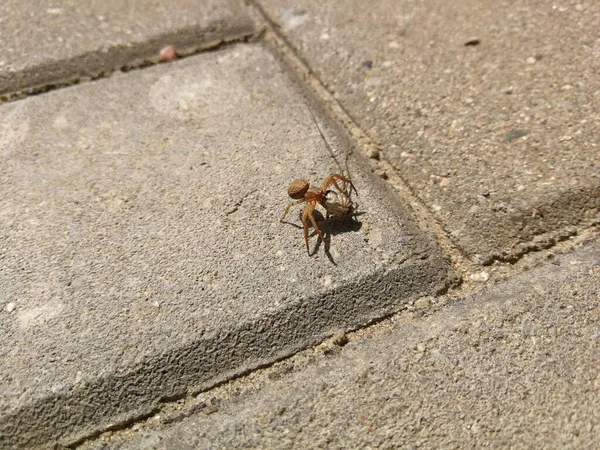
x,y
336,202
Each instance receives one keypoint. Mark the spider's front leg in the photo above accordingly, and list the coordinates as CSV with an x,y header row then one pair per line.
x,y
306,216
287,208
331,180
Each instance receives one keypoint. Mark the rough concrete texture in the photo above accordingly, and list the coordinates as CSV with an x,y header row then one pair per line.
x,y
515,365
489,110
141,250
45,42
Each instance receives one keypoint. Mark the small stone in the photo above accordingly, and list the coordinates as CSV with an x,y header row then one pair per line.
x,y
472,42
514,135
169,53
394,44
531,60
373,152
423,303
444,182
368,64
421,347
381,173
340,339
210,410
480,276
10,307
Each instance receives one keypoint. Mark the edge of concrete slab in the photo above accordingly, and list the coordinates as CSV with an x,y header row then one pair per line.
x,y
492,238
102,62
495,329
70,414
532,227
77,412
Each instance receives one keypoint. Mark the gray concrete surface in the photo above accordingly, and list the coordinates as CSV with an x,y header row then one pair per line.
x,y
47,43
141,251
515,365
489,111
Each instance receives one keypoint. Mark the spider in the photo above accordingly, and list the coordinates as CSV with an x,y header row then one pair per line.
x,y
336,202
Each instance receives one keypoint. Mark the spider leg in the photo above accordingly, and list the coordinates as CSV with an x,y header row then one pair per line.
x,y
306,216
287,208
314,222
331,180
305,226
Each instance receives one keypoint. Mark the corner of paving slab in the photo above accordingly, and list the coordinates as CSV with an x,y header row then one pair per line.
x,y
496,135
514,364
145,255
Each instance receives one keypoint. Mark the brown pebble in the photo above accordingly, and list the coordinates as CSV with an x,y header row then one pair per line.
x,y
210,409
472,42
340,338
373,152
169,53
382,174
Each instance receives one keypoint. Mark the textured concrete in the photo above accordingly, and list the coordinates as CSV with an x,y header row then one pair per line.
x,y
489,110
141,251
516,365
47,42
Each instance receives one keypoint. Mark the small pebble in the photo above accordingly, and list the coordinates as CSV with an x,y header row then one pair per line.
x,y
10,307
531,60
367,64
373,152
422,303
480,276
514,135
340,338
210,410
169,53
472,42
381,173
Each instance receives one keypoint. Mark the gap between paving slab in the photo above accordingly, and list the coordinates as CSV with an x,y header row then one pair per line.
x,y
44,46
497,135
142,251
460,262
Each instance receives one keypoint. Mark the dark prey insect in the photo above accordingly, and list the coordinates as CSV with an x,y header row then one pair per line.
x,y
337,202
334,195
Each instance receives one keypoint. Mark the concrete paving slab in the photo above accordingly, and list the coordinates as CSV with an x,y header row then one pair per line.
x,y
48,43
142,256
489,111
515,365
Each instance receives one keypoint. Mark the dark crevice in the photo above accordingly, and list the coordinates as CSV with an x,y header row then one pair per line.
x,y
97,65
